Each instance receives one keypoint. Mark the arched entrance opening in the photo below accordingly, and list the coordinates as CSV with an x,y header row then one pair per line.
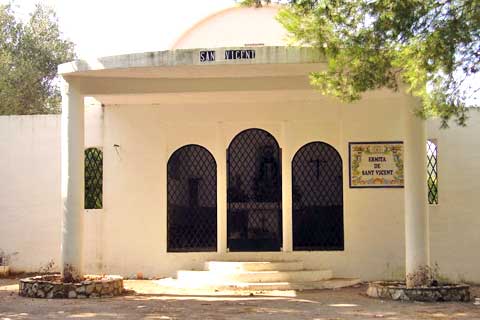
x,y
254,194
317,194
191,200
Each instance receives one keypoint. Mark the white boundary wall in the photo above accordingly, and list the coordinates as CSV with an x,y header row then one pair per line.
x,y
30,201
455,221
30,207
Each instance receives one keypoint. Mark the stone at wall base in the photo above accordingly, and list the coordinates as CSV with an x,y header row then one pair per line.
x,y
398,291
52,287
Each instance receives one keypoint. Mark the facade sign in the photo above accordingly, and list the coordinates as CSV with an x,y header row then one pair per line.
x,y
239,54
207,56
242,54
376,164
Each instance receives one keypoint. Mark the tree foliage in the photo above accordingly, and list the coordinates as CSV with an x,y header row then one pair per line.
x,y
29,55
430,46
252,3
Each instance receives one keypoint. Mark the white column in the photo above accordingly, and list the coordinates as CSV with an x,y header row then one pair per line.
x,y
286,190
416,214
72,182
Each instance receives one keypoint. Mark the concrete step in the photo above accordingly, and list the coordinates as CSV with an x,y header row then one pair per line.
x,y
238,266
170,284
212,277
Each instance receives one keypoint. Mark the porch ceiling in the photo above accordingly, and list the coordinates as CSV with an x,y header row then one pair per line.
x,y
206,98
96,86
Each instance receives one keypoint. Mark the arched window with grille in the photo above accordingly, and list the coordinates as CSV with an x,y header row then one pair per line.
x,y
191,200
317,194
93,178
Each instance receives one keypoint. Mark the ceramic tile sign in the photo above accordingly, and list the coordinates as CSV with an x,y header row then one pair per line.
x,y
376,164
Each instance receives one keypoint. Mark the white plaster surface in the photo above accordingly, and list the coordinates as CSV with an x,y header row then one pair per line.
x,y
30,199
30,203
135,177
455,221
128,236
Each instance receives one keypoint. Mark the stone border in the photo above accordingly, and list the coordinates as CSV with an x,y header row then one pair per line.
x,y
50,287
398,291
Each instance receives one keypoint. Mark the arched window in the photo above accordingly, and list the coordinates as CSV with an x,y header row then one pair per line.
x,y
317,194
191,200
254,195
93,178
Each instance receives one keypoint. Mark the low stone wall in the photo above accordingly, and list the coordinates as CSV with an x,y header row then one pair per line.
x,y
50,287
398,291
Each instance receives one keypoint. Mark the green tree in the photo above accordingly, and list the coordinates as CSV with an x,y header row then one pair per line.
x,y
29,55
431,46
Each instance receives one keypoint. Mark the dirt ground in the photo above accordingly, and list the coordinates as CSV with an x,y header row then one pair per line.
x,y
146,301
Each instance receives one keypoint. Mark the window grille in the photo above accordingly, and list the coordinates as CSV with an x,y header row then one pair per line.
x,y
254,194
317,194
191,200
93,178
432,171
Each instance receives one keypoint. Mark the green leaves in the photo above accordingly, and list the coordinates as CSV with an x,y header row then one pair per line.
x,y
29,55
432,46
254,3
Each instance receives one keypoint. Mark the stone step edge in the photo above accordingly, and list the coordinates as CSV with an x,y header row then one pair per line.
x,y
254,261
253,276
253,266
333,283
244,272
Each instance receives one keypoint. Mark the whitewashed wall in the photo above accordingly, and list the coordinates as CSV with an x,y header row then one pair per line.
x,y
134,234
128,236
30,207
455,221
30,202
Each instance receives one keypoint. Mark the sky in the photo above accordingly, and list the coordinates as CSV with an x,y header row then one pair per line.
x,y
110,27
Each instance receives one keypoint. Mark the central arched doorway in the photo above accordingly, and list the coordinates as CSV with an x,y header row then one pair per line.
x,y
254,196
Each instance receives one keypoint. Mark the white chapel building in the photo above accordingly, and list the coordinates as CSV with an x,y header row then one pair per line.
x,y
219,149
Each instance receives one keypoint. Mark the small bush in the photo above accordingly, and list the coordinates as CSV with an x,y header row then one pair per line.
x,y
424,276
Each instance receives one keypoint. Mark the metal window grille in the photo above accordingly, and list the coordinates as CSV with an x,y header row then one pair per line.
x,y
432,171
317,194
191,200
254,194
93,178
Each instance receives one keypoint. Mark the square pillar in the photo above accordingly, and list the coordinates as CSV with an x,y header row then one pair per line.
x,y
73,182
